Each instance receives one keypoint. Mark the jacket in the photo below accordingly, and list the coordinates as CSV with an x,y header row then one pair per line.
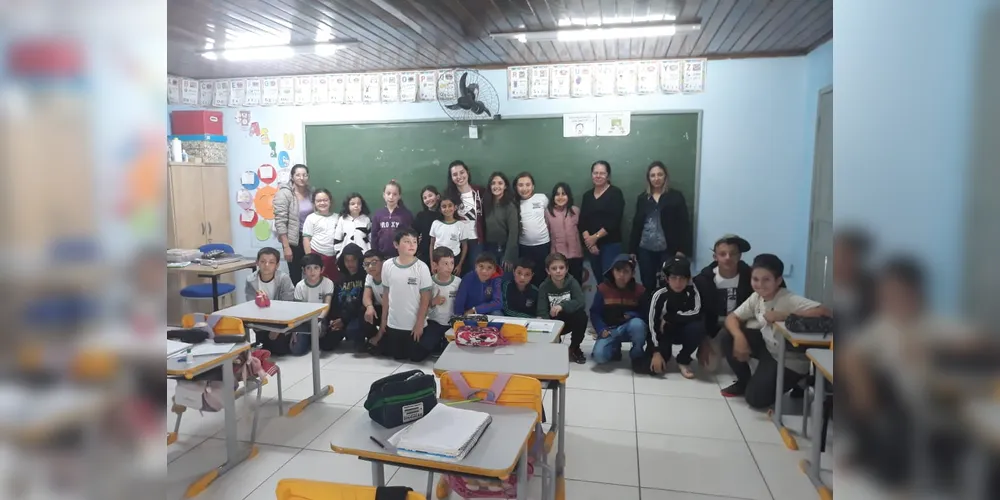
x,y
564,232
614,306
503,225
349,288
519,304
286,213
352,230
422,224
486,297
669,309
384,227
570,296
674,218
283,287
714,303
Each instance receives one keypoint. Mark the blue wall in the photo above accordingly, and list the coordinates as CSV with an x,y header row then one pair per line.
x,y
755,165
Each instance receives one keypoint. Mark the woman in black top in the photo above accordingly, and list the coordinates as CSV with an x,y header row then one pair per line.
x,y
661,228
601,219
430,199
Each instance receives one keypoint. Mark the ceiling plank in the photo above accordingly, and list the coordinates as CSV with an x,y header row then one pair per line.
x,y
803,14
550,20
708,8
737,13
496,22
523,17
609,10
749,18
478,29
510,23
711,27
782,38
669,7
774,21
816,30
688,14
440,26
774,7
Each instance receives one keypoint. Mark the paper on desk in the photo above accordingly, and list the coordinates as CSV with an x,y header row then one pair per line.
x,y
173,347
540,326
512,321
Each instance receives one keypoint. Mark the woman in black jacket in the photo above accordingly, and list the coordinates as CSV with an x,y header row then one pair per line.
x,y
601,211
661,227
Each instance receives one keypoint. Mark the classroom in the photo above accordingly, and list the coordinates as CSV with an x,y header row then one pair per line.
x,y
314,146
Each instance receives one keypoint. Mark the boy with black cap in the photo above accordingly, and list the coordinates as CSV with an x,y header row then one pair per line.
x,y
676,317
726,284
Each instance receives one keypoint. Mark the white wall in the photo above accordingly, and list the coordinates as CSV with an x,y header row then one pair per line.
x,y
753,151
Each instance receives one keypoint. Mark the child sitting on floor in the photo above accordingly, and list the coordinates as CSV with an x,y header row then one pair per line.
x,y
406,299
561,297
479,292
520,297
371,300
617,314
317,289
675,317
269,281
346,312
446,286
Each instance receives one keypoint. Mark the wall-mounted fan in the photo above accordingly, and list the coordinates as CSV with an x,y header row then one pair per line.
x,y
475,98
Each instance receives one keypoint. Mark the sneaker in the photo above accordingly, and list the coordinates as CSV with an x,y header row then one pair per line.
x,y
576,356
641,366
616,356
797,392
686,371
735,390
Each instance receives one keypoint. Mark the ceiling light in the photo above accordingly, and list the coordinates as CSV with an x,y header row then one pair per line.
x,y
601,33
272,52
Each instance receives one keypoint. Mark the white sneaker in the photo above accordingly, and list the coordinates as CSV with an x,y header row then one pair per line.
x,y
686,370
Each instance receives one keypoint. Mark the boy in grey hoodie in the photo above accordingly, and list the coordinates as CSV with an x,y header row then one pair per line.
x,y
277,286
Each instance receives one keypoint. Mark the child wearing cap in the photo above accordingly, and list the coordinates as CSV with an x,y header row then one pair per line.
x,y
617,314
675,317
752,336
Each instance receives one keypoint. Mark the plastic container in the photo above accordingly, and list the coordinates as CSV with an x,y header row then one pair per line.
x,y
196,123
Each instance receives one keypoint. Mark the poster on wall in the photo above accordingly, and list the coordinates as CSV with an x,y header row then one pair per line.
x,y
580,125
446,85
560,78
428,86
649,77
237,93
390,87
189,92
670,76
303,90
517,82
604,79
694,76
337,85
408,87
538,82
173,90
286,91
352,89
206,94
614,124
583,80
252,97
320,89
626,78
269,94
221,99
372,88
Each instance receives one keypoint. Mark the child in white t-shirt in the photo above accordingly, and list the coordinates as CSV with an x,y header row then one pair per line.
x,y
406,298
319,230
371,299
353,225
443,295
450,233
534,242
316,289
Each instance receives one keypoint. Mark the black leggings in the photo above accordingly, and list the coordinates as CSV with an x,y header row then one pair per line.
x,y
576,325
295,266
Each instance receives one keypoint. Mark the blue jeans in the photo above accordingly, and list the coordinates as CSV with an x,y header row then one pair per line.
x,y
603,261
299,343
650,263
633,330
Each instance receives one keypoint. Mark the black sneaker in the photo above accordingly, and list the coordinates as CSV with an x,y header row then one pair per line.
x,y
616,356
576,356
735,390
641,366
797,392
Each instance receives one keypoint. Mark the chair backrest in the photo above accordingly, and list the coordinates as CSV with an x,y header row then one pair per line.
x,y
520,391
226,325
216,246
304,489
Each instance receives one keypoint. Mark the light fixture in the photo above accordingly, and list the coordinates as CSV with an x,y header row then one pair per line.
x,y
601,32
271,52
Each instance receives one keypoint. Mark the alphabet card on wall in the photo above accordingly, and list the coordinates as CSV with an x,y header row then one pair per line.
x,y
446,85
372,88
517,82
671,74
560,82
428,86
694,76
173,90
390,87
189,91
337,85
352,89
320,89
269,95
207,94
221,99
303,90
539,81
583,80
649,77
286,91
253,93
237,93
615,124
626,80
605,76
408,87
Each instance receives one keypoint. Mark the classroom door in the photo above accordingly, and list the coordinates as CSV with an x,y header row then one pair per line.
x,y
819,272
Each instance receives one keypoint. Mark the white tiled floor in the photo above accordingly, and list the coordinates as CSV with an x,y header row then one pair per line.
x,y
628,438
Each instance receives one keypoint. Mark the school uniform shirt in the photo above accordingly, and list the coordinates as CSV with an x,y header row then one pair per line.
x,y
321,231
377,288
563,229
752,312
355,230
440,314
314,294
569,296
384,227
519,303
534,231
404,284
451,235
279,288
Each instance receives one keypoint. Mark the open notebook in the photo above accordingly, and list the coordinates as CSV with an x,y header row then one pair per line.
x,y
446,433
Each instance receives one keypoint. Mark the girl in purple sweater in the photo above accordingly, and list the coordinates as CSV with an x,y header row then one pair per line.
x,y
388,220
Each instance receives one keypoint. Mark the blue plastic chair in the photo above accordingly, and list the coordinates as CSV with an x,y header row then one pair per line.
x,y
204,290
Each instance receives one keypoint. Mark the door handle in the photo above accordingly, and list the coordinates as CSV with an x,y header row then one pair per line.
x,y
209,228
203,229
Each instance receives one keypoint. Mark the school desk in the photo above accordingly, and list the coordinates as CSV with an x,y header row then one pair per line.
x,y
553,327
797,340
503,446
822,359
546,362
236,452
213,273
282,317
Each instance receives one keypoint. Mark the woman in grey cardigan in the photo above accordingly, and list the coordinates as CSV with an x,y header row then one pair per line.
x,y
292,203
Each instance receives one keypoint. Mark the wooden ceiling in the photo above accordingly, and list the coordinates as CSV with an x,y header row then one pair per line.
x,y
417,34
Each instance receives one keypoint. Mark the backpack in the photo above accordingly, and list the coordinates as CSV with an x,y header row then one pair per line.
x,y
798,324
479,336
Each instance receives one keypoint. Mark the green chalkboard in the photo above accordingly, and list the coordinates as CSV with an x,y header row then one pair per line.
x,y
362,158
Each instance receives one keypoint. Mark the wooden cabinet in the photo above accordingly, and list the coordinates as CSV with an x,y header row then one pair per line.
x,y
198,205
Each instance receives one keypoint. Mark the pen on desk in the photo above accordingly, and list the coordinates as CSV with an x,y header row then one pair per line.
x,y
376,441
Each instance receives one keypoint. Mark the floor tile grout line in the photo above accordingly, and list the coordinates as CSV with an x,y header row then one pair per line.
x,y
638,458
750,450
269,476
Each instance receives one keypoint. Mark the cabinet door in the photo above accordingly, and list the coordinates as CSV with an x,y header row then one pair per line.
x,y
216,200
188,209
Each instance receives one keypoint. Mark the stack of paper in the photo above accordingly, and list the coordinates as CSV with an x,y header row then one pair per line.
x,y
446,434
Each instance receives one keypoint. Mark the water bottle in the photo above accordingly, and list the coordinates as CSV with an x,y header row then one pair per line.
x,y
176,151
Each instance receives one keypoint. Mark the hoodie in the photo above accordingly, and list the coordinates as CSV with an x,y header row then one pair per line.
x,y
676,309
384,227
279,288
485,298
717,301
286,213
349,288
614,306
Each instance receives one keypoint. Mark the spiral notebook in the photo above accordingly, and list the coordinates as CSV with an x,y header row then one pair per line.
x,y
446,434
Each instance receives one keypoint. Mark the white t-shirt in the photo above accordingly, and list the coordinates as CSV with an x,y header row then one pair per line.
x,y
320,229
405,283
442,313
304,292
727,287
467,214
376,287
268,287
450,235
534,231
353,230
752,311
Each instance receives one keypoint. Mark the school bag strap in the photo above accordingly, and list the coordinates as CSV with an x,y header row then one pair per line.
x,y
492,392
